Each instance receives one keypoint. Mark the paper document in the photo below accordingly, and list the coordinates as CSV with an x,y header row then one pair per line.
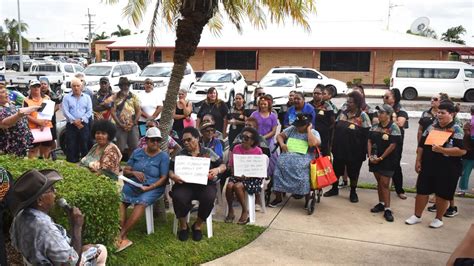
x,y
130,181
41,135
437,137
250,165
192,169
297,145
48,110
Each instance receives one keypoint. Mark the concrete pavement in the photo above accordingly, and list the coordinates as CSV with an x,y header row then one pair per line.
x,y
340,232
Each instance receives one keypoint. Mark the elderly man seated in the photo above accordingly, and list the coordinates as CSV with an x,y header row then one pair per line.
x,y
34,234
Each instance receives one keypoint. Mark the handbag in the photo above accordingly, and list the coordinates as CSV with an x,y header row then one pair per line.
x,y
321,172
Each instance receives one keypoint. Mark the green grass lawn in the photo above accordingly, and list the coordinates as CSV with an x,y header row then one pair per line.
x,y
163,248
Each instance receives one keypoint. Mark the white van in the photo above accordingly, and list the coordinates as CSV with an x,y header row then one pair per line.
x,y
424,78
111,70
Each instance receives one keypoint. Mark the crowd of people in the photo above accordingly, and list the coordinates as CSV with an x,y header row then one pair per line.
x,y
106,128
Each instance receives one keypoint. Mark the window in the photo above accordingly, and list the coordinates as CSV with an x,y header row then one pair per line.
x,y
68,69
118,70
469,73
126,69
236,60
114,56
345,61
157,57
427,73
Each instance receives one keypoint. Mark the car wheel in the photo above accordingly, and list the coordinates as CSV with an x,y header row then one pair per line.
x,y
469,96
334,90
409,94
231,100
15,67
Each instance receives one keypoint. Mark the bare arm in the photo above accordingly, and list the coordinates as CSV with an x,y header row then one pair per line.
x,y
419,155
453,151
313,141
419,133
271,133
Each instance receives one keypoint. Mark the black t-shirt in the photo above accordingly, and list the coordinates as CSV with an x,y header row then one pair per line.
x,y
350,137
218,111
381,138
427,118
324,123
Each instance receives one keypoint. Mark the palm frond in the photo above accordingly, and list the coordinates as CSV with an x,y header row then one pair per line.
x,y
215,24
135,10
152,34
235,10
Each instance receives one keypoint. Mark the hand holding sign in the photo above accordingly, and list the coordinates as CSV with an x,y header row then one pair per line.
x,y
297,145
250,165
192,169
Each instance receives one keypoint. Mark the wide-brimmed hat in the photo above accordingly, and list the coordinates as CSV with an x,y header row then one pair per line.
x,y
30,186
302,119
123,81
153,132
385,108
207,125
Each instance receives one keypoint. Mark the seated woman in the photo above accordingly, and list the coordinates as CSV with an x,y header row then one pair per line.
x,y
184,193
238,185
253,123
147,166
173,146
292,170
104,156
209,140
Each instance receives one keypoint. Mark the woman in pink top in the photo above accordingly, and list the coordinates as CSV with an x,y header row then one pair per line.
x,y
238,185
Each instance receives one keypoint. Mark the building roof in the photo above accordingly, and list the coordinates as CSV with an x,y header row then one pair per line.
x,y
322,36
56,40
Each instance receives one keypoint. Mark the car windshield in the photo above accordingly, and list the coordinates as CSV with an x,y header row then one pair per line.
x,y
277,82
157,71
97,70
216,77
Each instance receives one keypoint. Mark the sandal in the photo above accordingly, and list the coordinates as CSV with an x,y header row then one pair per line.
x,y
123,244
244,222
229,219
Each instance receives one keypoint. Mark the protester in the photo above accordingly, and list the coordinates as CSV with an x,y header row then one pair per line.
x,y
77,109
217,108
57,99
251,106
184,193
104,156
34,234
85,88
467,159
173,146
125,112
438,166
151,105
149,167
328,92
208,139
284,108
102,101
393,97
252,123
427,117
182,112
325,119
383,139
292,171
6,182
299,107
238,185
350,144
15,135
236,117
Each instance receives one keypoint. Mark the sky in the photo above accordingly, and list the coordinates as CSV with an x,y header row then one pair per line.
x,y
65,19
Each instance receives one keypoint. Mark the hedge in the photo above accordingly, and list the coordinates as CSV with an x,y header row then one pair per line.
x,y
96,196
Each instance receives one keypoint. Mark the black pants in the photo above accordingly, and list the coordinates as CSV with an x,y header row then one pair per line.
x,y
77,142
183,194
3,252
398,175
353,170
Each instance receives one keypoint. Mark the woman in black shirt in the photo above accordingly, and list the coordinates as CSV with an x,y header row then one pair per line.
x,y
217,108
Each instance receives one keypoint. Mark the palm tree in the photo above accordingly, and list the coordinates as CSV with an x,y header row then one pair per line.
x,y
101,36
453,35
189,17
121,32
11,27
3,41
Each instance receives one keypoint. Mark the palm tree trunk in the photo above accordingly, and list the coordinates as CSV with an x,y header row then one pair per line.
x,y
188,32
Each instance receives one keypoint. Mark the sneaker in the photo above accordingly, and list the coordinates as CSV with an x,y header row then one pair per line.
x,y
343,184
388,215
436,223
378,208
413,220
331,192
461,193
353,197
258,208
432,208
451,212
275,203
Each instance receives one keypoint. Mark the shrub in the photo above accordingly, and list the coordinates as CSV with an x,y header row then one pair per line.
x,y
96,196
386,81
357,81
349,84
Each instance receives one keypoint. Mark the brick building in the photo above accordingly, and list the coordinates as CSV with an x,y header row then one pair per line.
x,y
340,52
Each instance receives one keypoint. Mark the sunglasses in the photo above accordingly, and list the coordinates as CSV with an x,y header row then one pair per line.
x,y
261,94
154,139
248,125
246,138
187,140
385,97
435,99
148,83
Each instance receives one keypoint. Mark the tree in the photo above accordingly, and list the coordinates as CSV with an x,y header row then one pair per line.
x,y
11,27
3,41
101,36
428,32
189,17
121,31
453,35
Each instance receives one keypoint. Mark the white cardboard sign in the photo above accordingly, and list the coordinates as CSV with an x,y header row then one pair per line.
x,y
250,165
192,169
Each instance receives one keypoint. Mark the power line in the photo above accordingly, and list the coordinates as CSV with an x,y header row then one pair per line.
x,y
90,25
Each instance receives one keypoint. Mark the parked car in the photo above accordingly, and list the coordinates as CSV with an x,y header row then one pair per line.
x,y
13,62
64,70
279,87
160,73
2,65
227,83
112,70
310,78
424,78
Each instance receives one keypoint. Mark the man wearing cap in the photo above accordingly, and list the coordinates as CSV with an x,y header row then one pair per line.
x,y
102,101
34,234
77,108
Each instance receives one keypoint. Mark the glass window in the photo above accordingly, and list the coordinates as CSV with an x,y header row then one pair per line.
x,y
126,69
236,60
469,73
68,69
427,73
311,75
345,61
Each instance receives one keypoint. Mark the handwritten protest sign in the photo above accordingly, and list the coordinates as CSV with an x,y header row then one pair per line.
x,y
192,169
130,181
437,137
297,145
250,165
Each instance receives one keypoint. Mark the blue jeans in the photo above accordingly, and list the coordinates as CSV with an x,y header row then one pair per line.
x,y
77,142
467,166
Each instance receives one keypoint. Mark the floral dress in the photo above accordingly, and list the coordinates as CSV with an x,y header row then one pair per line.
x,y
16,139
251,185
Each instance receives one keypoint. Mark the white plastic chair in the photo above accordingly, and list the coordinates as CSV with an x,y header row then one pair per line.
x,y
150,223
208,222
